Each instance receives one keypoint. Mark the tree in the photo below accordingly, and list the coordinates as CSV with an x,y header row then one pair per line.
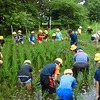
x,y
68,13
18,14
94,11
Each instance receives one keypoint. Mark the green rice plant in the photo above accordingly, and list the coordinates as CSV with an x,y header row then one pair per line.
x,y
40,55
20,53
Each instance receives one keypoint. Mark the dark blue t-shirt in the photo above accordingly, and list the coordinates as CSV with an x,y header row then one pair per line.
x,y
73,38
49,69
97,74
25,70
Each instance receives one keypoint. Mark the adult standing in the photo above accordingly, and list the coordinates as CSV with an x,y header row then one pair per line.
x,y
67,84
25,74
81,62
46,79
97,81
73,37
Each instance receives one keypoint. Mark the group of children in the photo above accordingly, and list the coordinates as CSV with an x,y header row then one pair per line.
x,y
50,72
40,36
49,75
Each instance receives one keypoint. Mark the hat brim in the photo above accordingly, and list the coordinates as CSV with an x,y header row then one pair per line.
x,y
96,59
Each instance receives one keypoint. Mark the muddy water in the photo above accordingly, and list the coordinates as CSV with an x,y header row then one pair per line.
x,y
87,95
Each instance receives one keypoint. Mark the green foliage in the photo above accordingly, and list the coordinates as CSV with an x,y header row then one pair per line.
x,y
94,11
68,13
18,14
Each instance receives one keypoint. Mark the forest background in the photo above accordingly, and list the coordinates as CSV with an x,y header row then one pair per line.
x,y
30,15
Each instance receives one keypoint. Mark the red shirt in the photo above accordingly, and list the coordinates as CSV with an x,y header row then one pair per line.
x,y
39,36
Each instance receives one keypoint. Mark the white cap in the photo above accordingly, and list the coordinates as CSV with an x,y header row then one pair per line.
x,y
68,71
27,61
59,60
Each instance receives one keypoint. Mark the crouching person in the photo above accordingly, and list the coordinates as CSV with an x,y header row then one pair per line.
x,y
46,79
25,74
67,84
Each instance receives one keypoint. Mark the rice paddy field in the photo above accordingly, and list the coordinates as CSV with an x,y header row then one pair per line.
x,y
41,54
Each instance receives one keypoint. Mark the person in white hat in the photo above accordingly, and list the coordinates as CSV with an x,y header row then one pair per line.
x,y
32,38
14,36
53,37
25,74
19,37
97,81
79,30
89,30
66,86
45,35
46,79
58,34
2,41
40,36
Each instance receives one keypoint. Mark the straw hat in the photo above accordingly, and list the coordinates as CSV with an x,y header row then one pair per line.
x,y
40,31
97,57
68,71
59,60
73,47
80,27
45,31
1,37
13,33
58,29
19,31
53,34
27,61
